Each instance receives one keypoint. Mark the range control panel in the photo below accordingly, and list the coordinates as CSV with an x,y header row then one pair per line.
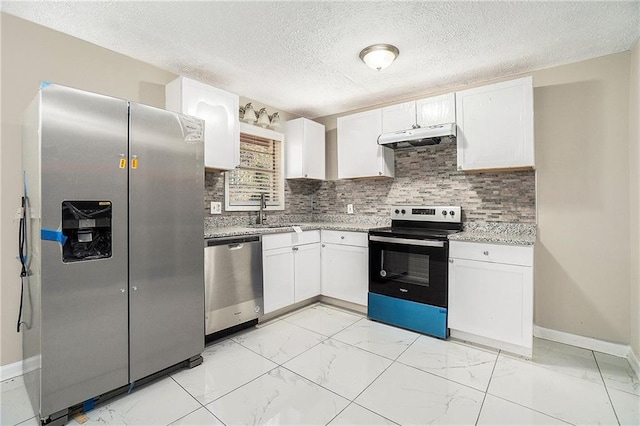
x,y
451,214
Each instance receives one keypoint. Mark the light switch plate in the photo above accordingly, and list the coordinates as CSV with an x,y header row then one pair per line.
x,y
216,207
349,208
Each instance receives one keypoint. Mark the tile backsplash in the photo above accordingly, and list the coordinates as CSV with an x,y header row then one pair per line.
x,y
425,175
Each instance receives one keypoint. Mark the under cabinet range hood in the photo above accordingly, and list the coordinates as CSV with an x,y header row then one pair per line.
x,y
420,136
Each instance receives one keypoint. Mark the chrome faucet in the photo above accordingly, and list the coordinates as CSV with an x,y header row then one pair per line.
x,y
262,215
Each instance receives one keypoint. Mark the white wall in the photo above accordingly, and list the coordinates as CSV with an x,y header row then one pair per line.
x,y
634,195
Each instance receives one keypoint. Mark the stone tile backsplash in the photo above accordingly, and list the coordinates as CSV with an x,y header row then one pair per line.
x,y
425,175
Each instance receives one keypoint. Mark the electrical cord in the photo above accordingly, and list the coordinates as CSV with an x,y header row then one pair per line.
x,y
22,239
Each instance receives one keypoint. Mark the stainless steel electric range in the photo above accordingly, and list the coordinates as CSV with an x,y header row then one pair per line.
x,y
408,268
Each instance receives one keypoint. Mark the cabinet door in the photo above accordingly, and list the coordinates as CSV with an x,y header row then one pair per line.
x,y
345,273
491,300
219,109
436,110
359,154
495,126
314,150
278,270
307,271
398,117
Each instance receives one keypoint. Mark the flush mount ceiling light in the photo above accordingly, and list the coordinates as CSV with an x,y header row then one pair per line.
x,y
379,56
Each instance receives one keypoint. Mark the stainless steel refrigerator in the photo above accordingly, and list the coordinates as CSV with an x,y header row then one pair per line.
x,y
115,289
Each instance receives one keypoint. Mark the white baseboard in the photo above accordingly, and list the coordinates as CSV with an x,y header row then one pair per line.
x,y
19,368
616,349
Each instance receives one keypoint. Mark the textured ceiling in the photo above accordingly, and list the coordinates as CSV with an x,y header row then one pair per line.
x,y
302,57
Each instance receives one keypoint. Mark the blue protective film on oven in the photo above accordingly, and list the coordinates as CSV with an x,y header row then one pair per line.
x,y
427,319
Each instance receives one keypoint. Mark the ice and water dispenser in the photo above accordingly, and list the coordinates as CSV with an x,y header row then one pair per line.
x,y
87,228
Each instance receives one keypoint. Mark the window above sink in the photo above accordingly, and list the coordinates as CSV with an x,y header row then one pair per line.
x,y
260,171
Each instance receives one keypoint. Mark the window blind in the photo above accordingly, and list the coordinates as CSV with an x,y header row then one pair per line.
x,y
260,171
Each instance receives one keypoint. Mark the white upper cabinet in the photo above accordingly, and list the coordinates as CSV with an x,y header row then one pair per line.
x,y
422,113
495,126
219,110
436,110
304,149
399,117
359,154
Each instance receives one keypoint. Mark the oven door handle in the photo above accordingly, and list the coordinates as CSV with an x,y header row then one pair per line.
x,y
409,242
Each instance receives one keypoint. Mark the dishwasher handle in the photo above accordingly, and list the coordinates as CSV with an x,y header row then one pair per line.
x,y
232,242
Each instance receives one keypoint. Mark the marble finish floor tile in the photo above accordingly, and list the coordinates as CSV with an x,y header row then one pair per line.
x,y
571,360
341,368
627,407
559,395
378,338
410,396
226,366
323,319
200,417
279,341
157,403
497,411
355,415
455,361
617,373
279,397
16,406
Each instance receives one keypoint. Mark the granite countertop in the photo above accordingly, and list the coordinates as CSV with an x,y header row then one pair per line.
x,y
500,233
232,231
481,232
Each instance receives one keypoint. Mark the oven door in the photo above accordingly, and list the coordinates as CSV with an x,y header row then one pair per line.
x,y
410,269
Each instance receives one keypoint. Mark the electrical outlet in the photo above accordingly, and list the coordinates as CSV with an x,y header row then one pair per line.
x,y
216,207
349,208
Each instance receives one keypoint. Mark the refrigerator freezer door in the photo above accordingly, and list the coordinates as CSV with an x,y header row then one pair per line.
x,y
166,231
84,303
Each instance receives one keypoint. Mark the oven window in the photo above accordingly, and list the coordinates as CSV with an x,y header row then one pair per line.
x,y
410,268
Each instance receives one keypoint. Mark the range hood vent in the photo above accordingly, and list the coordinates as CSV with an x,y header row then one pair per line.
x,y
432,135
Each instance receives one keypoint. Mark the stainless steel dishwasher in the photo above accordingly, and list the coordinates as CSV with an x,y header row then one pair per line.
x,y
233,282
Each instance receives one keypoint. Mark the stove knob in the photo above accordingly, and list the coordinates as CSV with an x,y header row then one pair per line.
x,y
452,213
444,212
397,211
403,211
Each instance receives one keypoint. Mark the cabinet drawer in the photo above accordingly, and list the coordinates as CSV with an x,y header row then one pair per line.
x,y
349,238
289,239
497,253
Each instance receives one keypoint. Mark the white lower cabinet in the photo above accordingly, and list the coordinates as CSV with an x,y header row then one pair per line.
x,y
278,278
345,263
307,271
291,268
491,295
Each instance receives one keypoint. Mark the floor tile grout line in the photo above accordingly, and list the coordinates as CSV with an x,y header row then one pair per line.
x,y
189,393
378,414
531,409
236,388
484,397
606,388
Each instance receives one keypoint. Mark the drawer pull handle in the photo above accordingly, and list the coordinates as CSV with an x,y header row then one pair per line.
x,y
486,253
342,237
